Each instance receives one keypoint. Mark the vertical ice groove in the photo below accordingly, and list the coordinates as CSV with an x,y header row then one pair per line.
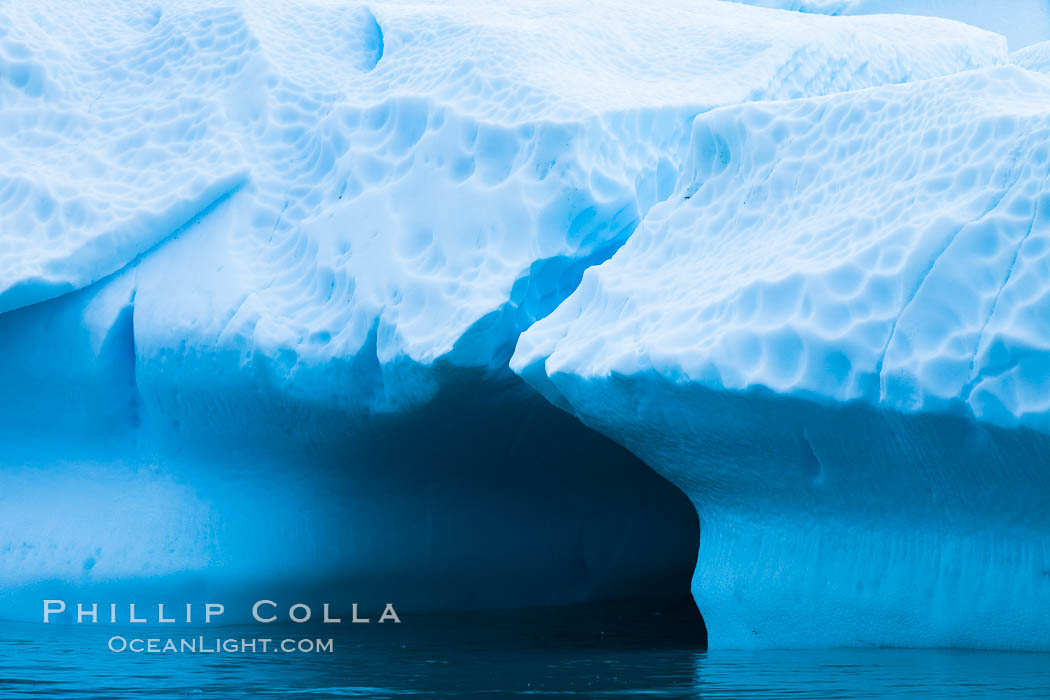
x,y
977,374
910,298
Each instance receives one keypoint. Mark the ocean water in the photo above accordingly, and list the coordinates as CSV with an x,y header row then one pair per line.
x,y
495,655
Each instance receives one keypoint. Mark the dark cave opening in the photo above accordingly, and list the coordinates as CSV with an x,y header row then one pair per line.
x,y
486,511
520,509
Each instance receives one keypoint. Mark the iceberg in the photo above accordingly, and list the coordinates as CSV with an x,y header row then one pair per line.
x,y
832,337
264,266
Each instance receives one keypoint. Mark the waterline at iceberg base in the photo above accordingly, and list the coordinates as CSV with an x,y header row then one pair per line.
x,y
482,307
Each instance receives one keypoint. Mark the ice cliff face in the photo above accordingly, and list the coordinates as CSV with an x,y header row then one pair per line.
x,y
247,250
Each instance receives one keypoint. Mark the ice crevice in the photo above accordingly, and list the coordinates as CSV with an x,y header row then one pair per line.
x,y
997,200
977,376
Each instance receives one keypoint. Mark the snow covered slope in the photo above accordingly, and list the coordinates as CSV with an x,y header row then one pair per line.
x,y
818,336
1022,22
